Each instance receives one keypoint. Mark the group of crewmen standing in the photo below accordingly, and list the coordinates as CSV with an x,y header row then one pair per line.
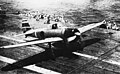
x,y
57,18
48,17
110,25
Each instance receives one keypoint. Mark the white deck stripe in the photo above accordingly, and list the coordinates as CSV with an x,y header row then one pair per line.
x,y
30,67
96,58
85,55
46,71
7,60
112,62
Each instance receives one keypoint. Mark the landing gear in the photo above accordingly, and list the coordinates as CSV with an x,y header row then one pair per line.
x,y
51,51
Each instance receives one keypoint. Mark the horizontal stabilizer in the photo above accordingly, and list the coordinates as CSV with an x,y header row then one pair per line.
x,y
30,31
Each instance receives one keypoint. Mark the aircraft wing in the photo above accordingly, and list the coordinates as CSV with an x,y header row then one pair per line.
x,y
12,38
22,41
34,42
90,26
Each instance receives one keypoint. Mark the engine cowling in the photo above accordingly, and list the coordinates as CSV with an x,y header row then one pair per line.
x,y
61,32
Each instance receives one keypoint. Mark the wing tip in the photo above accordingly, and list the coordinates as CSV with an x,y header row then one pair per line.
x,y
1,47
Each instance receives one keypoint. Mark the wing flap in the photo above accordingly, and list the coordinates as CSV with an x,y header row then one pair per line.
x,y
34,42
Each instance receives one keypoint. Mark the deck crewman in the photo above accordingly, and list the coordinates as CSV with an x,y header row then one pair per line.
x,y
48,19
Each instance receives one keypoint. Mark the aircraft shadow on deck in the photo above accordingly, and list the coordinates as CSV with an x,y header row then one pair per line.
x,y
46,55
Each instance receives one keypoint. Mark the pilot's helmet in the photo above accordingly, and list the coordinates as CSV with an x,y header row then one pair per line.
x,y
54,26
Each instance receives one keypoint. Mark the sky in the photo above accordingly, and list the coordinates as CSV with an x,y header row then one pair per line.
x,y
82,4
66,5
37,4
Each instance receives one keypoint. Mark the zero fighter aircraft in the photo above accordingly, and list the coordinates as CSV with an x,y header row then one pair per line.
x,y
67,38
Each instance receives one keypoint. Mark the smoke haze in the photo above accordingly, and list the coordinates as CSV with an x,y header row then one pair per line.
x,y
97,9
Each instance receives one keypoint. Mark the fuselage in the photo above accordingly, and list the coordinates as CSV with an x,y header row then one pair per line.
x,y
48,33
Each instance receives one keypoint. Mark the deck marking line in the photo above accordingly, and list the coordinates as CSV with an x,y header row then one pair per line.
x,y
96,58
30,67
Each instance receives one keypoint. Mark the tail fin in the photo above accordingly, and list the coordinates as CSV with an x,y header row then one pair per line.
x,y
25,26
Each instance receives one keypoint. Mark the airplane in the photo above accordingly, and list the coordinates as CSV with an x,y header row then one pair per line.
x,y
65,38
